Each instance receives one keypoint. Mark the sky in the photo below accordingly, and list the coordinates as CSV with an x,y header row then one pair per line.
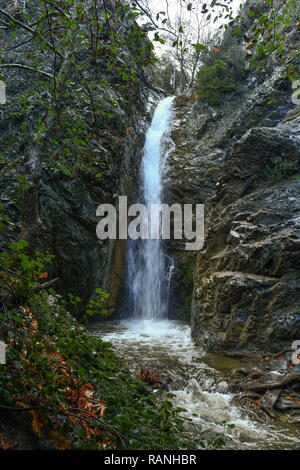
x,y
159,5
174,7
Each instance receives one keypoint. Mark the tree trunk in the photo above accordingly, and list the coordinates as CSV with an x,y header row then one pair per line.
x,y
31,222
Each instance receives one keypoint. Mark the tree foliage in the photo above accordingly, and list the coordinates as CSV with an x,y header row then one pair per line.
x,y
84,59
263,25
212,81
64,381
80,48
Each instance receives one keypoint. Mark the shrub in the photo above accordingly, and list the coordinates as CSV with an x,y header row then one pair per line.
x,y
282,168
72,390
212,81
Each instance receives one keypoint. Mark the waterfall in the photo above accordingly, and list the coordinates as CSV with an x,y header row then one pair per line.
x,y
148,268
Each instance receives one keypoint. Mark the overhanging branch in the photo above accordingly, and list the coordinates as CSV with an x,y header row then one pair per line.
x,y
27,28
27,67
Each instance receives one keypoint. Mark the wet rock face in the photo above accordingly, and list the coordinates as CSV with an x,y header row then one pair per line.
x,y
250,157
68,203
246,280
190,176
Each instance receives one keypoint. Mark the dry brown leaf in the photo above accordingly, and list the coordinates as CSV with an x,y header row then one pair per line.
x,y
36,424
4,444
288,397
61,442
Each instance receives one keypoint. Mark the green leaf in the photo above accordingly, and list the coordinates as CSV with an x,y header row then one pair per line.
x,y
199,47
260,50
252,63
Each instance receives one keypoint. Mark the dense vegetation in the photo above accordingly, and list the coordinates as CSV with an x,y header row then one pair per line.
x,y
65,379
82,60
213,81
253,39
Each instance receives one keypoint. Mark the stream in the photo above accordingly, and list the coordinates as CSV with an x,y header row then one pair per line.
x,y
199,380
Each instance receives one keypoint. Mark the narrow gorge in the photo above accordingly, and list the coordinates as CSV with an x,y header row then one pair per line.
x,y
128,340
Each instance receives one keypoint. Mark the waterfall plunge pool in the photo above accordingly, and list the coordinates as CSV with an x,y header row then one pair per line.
x,y
199,380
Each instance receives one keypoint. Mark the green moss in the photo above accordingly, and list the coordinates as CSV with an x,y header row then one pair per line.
x,y
212,170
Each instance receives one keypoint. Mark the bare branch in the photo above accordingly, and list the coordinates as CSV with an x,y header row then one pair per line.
x,y
18,45
152,21
14,408
45,285
27,67
11,272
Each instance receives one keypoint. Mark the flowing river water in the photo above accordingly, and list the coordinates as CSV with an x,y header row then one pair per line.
x,y
199,381
147,338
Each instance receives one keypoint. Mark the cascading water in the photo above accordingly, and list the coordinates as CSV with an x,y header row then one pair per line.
x,y
148,268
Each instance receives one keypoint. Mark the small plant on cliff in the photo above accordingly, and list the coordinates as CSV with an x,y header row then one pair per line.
x,y
282,168
95,306
213,170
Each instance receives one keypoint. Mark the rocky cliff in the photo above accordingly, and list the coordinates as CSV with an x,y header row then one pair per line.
x,y
241,159
69,193
82,261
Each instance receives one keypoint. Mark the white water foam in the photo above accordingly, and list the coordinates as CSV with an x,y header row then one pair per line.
x,y
148,268
167,345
